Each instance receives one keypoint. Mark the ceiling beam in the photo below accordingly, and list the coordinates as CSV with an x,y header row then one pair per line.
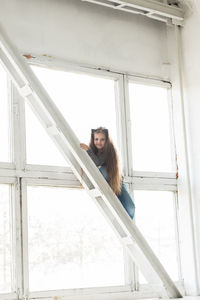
x,y
150,8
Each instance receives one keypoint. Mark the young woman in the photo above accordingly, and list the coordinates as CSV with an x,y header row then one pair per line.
x,y
103,153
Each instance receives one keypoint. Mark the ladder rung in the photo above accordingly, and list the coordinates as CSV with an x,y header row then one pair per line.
x,y
26,90
53,130
127,240
95,193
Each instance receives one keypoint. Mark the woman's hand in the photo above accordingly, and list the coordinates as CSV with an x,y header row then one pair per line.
x,y
84,147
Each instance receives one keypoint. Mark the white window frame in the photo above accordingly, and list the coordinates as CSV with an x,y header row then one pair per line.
x,y
21,174
157,181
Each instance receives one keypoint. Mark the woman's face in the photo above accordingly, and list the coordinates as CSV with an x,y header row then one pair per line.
x,y
99,140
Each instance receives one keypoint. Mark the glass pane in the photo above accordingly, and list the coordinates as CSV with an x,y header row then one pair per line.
x,y
85,101
155,219
4,120
70,243
151,134
40,148
5,240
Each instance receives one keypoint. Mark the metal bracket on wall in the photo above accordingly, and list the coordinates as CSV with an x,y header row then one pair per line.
x,y
150,8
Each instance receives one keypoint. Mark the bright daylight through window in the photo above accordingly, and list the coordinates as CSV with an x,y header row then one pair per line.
x,y
153,151
151,129
85,101
70,243
156,220
74,249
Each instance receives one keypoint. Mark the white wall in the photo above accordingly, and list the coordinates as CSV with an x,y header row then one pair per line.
x,y
191,79
186,200
191,68
87,33
186,94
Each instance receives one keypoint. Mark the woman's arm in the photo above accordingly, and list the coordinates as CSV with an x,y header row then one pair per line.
x,y
98,160
84,146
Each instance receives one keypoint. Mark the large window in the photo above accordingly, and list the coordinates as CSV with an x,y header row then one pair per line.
x,y
61,241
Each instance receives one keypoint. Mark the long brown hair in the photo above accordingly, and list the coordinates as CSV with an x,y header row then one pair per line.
x,y
112,159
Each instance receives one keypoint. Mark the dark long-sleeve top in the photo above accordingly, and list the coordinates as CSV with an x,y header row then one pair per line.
x,y
99,160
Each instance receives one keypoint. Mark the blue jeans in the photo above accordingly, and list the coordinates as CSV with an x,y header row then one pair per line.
x,y
124,196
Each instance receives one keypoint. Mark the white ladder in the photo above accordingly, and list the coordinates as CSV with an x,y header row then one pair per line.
x,y
84,168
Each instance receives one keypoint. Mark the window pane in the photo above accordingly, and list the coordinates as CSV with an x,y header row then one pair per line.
x,y
4,121
151,134
5,240
155,219
85,101
70,243
40,148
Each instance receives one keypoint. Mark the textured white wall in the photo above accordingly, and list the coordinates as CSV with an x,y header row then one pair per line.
x,y
191,76
191,68
87,33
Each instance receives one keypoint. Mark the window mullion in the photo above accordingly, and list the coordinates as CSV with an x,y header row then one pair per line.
x,y
18,128
172,132
121,122
16,154
128,142
24,222
176,216
128,126
121,111
16,239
